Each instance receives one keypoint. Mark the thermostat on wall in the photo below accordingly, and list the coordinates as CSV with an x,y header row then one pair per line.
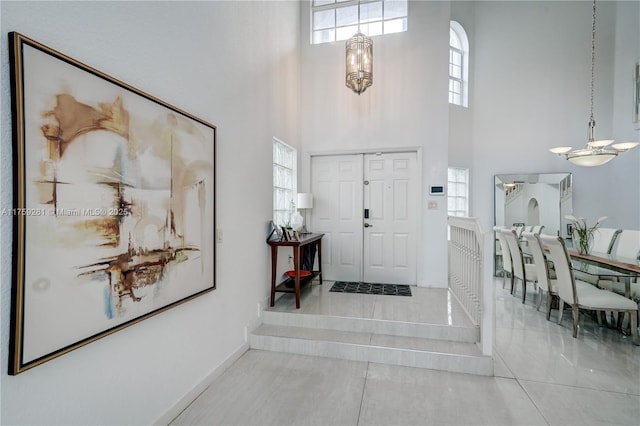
x,y
436,190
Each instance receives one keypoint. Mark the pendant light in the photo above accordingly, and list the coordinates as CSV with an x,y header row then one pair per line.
x,y
359,74
596,152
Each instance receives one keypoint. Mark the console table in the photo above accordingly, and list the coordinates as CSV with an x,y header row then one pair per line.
x,y
304,240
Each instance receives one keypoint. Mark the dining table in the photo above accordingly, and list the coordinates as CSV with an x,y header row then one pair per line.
x,y
607,266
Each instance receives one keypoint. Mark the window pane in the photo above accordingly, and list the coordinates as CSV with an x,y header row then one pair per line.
x,y
455,71
324,36
346,32
372,29
456,58
454,40
347,16
322,2
395,26
395,9
323,19
456,86
371,12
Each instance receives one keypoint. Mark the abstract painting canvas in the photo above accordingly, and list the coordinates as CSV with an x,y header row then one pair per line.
x,y
114,204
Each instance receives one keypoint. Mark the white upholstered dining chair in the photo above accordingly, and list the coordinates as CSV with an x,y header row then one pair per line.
x,y
521,271
627,244
603,239
545,282
581,295
507,268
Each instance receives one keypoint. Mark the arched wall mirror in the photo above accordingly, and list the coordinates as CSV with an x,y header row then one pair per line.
x,y
533,200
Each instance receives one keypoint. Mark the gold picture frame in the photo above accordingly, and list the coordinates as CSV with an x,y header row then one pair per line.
x,y
636,94
114,205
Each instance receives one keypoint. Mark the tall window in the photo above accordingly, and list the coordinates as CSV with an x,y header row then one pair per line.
x,y
458,189
284,181
458,65
333,20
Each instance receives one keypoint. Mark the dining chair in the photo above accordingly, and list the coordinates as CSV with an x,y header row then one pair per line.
x,y
507,268
518,230
627,244
522,271
545,281
603,239
581,295
537,229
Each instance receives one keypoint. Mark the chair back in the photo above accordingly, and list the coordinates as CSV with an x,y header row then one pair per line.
x,y
535,247
537,229
627,244
518,230
560,257
517,262
603,239
506,253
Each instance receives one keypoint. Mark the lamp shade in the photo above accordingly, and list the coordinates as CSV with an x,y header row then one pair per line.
x,y
305,200
590,158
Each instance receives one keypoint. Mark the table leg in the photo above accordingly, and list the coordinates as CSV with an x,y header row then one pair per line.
x,y
296,265
319,246
274,266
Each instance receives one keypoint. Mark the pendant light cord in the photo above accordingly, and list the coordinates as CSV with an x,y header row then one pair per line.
x,y
593,58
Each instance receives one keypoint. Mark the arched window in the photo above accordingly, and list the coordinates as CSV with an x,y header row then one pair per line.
x,y
458,65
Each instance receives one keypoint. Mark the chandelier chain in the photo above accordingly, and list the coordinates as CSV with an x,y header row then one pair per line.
x,y
593,56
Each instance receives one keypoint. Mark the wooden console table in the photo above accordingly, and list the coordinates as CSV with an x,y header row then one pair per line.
x,y
296,245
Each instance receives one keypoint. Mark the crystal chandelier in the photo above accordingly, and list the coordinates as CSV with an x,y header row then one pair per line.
x,y
596,152
359,73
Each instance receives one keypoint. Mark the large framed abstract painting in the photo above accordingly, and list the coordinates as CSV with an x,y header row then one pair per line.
x,y
114,205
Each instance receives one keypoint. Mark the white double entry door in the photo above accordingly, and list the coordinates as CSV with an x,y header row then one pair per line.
x,y
367,206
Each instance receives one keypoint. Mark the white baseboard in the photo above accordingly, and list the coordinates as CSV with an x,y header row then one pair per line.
x,y
187,399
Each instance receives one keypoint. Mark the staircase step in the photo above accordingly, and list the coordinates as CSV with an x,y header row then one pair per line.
x,y
468,334
438,354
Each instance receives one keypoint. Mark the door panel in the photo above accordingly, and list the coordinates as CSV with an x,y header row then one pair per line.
x,y
384,252
336,185
389,249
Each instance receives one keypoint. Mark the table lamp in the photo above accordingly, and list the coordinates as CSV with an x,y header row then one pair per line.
x,y
305,201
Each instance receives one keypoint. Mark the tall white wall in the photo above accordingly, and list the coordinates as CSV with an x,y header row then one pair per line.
x,y
234,64
407,106
461,118
531,76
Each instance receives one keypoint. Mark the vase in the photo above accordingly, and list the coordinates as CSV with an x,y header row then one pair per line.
x,y
583,245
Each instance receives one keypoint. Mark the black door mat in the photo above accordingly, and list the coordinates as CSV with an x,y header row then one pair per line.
x,y
368,288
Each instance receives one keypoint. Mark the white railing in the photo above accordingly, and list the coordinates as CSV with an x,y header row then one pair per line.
x,y
466,275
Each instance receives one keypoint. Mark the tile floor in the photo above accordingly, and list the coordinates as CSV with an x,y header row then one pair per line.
x,y
542,376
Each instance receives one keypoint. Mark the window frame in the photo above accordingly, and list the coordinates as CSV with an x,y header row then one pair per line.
x,y
293,171
465,197
463,81
364,23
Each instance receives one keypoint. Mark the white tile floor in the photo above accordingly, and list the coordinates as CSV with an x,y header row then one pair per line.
x,y
542,376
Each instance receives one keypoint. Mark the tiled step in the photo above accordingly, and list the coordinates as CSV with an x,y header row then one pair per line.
x,y
469,334
438,354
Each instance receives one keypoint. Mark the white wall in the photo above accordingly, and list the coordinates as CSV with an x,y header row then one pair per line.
x,y
234,64
407,106
461,118
532,72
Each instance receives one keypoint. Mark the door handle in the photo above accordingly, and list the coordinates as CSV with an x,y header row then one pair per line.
x,y
368,225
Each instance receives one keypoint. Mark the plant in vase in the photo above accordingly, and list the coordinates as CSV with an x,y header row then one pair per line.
x,y
582,233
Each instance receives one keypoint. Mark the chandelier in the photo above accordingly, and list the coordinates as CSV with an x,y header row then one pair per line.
x,y
596,152
359,73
